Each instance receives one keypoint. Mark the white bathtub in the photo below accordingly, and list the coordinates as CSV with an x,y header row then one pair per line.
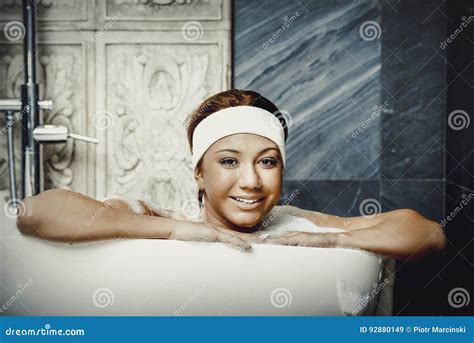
x,y
159,277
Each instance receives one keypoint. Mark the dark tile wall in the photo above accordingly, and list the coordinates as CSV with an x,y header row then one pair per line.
x,y
413,82
367,113
459,156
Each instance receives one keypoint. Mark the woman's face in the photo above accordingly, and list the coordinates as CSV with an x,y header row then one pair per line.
x,y
241,176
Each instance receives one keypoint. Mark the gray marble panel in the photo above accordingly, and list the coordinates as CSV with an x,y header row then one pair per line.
x,y
426,197
414,84
310,59
343,198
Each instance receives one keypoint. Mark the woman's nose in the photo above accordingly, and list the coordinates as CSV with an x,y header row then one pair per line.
x,y
249,177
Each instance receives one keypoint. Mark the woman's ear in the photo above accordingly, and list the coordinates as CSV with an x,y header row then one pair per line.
x,y
198,177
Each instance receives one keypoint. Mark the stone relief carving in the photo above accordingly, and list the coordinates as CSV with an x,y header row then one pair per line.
x,y
62,71
58,75
151,94
160,2
163,10
47,10
11,65
148,89
9,61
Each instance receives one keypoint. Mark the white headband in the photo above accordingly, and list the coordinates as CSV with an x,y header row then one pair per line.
x,y
233,120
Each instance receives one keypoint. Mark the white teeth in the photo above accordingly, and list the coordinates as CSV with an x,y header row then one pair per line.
x,y
247,201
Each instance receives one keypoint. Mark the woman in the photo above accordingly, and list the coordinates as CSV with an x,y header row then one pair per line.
x,y
237,139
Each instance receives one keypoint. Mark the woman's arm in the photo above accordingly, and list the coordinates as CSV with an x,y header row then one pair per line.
x,y
68,216
140,207
403,234
62,215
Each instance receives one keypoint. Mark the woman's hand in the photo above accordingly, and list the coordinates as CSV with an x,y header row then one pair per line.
x,y
204,232
305,239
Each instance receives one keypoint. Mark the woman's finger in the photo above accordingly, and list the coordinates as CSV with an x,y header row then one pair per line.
x,y
293,239
232,239
250,238
188,232
200,232
286,238
284,234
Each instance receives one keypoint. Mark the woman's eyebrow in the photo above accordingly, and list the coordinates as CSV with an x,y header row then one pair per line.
x,y
238,152
266,149
229,150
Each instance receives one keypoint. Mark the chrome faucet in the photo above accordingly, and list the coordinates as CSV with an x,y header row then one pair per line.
x,y
33,134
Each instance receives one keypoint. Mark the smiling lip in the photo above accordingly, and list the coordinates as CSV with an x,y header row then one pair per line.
x,y
247,203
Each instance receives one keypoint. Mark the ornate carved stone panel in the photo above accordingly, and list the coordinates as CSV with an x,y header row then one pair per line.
x,y
61,77
64,83
166,10
151,88
53,14
128,72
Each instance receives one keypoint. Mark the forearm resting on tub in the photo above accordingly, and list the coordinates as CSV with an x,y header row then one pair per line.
x,y
62,215
402,234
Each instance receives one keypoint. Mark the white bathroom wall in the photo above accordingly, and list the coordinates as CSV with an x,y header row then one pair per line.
x,y
127,72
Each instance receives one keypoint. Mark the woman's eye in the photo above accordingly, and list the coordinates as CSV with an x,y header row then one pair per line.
x,y
230,162
269,162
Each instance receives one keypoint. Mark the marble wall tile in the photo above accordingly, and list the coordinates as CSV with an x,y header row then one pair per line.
x,y
413,83
310,59
426,197
344,198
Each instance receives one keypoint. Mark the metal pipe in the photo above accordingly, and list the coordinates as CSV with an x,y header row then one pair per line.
x,y
15,105
10,123
30,166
